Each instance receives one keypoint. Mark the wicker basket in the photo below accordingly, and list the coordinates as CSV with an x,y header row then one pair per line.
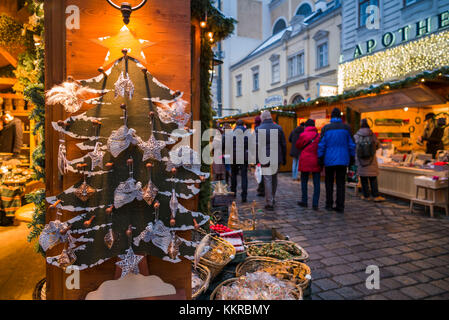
x,y
253,264
297,293
304,256
204,274
214,267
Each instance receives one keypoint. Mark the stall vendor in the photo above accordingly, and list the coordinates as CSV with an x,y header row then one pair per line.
x,y
11,134
433,134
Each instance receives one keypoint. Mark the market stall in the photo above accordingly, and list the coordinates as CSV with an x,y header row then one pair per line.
x,y
407,121
18,139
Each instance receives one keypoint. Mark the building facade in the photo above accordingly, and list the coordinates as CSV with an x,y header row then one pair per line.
x,y
252,28
385,40
299,61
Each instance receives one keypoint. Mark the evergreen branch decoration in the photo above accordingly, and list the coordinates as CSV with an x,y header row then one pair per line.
x,y
221,27
30,76
442,73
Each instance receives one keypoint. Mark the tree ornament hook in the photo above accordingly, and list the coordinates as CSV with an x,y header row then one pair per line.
x,y
126,9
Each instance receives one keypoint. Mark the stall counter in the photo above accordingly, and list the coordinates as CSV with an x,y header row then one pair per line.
x,y
399,181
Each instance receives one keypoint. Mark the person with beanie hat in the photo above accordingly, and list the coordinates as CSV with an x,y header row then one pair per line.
x,y
308,163
336,151
433,134
294,152
266,130
366,161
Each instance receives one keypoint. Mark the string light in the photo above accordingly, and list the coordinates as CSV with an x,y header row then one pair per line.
x,y
427,53
405,109
203,24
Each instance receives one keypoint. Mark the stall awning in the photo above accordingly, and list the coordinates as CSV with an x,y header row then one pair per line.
x,y
416,96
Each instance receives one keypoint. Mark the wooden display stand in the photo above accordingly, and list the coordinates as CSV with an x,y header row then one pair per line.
x,y
167,24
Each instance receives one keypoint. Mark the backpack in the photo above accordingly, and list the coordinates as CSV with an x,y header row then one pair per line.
x,y
366,148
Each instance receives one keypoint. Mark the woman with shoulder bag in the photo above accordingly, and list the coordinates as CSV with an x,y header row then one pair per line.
x,y
308,163
366,161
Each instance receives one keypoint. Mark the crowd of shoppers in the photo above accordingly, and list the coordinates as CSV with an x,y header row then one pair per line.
x,y
330,152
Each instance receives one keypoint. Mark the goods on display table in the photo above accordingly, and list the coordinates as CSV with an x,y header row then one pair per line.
x,y
279,249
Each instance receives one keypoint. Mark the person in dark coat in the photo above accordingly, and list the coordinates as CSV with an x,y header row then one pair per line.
x,y
307,144
238,166
336,150
270,176
260,186
11,135
433,134
367,169
294,152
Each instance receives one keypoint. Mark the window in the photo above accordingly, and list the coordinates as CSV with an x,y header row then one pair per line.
x,y
363,15
238,85
255,81
304,10
297,99
409,2
279,26
322,55
275,72
296,65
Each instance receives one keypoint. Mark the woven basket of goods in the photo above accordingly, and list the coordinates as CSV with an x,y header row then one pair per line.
x,y
279,249
290,270
257,286
221,252
200,280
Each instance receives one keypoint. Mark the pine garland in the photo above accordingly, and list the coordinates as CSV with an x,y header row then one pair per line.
x,y
30,76
391,85
221,27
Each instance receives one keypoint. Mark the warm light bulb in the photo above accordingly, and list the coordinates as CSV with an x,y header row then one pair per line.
x,y
203,24
210,35
405,109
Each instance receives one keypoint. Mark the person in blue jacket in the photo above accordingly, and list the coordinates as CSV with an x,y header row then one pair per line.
x,y
336,151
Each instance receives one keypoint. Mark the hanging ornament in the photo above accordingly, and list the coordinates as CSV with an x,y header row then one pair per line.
x,y
173,247
183,156
71,95
53,233
152,148
84,191
129,190
174,113
111,237
63,164
130,261
156,232
150,191
121,138
174,204
67,256
124,87
96,156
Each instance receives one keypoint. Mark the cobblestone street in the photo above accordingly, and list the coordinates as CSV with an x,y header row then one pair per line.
x,y
411,250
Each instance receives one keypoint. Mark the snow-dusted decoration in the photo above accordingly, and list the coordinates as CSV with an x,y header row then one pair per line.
x,y
129,263
124,87
127,192
71,95
120,140
174,113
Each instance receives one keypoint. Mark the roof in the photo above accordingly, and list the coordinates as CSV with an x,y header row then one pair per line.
x,y
275,39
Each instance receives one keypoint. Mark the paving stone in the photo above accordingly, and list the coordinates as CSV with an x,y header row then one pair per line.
x,y
333,261
430,289
414,293
405,280
330,295
347,279
349,293
443,284
390,283
433,274
395,270
396,295
341,269
325,284
375,297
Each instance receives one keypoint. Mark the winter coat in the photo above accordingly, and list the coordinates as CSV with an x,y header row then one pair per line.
x,y
293,138
366,167
308,161
264,129
242,150
336,145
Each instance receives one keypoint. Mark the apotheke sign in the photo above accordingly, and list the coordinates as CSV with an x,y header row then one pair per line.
x,y
404,34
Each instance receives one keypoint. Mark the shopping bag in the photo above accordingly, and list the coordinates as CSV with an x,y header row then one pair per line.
x,y
258,173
